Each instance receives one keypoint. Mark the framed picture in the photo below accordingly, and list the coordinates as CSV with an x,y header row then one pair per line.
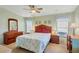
x,y
36,22
45,22
39,22
49,22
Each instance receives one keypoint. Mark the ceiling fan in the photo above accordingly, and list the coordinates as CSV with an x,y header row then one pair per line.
x,y
34,9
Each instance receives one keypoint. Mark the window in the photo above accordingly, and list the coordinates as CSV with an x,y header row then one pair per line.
x,y
62,25
28,26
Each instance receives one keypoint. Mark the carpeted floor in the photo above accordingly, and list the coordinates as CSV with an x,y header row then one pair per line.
x,y
51,48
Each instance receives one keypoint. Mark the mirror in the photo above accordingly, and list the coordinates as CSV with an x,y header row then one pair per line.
x,y
12,24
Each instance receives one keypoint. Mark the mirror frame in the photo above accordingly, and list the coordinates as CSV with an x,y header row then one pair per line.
x,y
11,19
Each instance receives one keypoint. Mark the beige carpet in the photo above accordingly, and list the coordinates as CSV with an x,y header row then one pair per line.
x,y
56,48
51,48
4,49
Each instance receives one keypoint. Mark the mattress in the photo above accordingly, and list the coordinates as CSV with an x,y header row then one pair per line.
x,y
35,42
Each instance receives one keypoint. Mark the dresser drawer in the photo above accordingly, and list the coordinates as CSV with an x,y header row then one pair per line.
x,y
10,37
20,33
54,39
8,41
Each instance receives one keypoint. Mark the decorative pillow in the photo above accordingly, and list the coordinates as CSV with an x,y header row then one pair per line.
x,y
62,34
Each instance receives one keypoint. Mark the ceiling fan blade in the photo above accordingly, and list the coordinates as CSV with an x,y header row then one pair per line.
x,y
33,9
40,8
31,6
37,11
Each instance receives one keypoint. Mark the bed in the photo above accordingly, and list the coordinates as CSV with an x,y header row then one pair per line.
x,y
37,41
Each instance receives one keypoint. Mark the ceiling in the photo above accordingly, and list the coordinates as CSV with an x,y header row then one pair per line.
x,y
47,9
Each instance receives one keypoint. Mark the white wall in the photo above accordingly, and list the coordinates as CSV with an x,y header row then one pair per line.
x,y
77,20
4,16
51,18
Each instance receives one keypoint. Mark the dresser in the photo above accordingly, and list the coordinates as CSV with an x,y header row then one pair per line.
x,y
73,43
10,37
69,44
54,39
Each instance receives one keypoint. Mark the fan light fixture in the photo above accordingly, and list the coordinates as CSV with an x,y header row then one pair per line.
x,y
33,11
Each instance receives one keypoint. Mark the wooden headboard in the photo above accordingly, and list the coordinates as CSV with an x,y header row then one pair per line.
x,y
43,29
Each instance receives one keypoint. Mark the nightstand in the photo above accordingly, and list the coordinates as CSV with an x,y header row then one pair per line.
x,y
54,39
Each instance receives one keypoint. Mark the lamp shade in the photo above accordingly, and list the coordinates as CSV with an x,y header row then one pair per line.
x,y
74,26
